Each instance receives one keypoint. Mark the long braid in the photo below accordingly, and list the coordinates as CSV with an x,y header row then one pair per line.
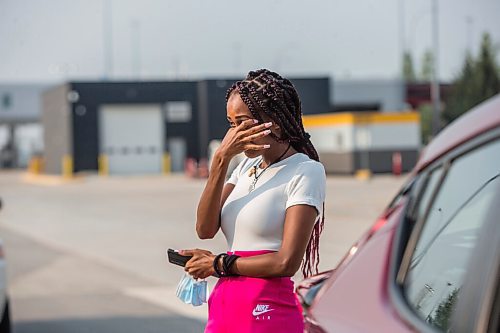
x,y
266,92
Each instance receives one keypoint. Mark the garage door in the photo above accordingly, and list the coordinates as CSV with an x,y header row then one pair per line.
x,y
132,136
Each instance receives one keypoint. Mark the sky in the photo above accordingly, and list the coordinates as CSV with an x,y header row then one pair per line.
x,y
56,40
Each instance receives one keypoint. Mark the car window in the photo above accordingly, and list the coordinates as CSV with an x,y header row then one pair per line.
x,y
424,195
402,193
456,215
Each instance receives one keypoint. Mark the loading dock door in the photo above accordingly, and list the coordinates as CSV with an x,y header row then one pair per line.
x,y
131,137
178,149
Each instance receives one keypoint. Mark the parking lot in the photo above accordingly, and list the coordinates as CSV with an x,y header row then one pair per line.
x,y
88,255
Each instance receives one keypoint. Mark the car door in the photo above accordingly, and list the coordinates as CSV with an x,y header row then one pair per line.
x,y
445,261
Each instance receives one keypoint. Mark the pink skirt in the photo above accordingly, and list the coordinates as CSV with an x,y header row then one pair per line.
x,y
254,305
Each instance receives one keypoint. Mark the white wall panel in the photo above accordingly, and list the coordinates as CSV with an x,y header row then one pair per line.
x,y
375,136
385,136
332,138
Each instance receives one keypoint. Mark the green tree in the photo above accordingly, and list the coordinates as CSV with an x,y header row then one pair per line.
x,y
464,91
425,111
427,66
408,69
478,80
488,79
444,311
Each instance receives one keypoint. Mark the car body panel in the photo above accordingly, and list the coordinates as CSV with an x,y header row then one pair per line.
x,y
366,309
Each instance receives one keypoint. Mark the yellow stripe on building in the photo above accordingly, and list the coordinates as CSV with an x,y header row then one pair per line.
x,y
359,118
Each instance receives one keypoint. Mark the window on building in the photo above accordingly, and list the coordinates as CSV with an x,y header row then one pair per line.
x,y
6,101
178,112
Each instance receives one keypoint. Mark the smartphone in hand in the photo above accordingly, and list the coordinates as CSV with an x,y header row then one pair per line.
x,y
177,259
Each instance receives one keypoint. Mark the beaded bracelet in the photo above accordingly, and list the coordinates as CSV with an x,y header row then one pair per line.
x,y
216,265
228,262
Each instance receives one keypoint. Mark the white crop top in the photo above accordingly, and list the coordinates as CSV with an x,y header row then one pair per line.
x,y
254,220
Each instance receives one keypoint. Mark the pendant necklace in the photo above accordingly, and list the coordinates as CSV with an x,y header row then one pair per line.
x,y
253,170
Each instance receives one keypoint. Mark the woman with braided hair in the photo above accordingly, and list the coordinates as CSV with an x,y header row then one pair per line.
x,y
270,210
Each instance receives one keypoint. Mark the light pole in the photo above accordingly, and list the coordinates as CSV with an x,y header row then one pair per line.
x,y
435,94
415,22
402,37
107,40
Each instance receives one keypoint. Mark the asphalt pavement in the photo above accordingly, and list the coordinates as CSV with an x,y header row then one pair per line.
x,y
88,255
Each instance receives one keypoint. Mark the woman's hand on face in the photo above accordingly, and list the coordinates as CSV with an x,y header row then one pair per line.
x,y
200,266
240,138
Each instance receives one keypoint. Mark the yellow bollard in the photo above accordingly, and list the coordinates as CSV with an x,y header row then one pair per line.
x,y
35,165
103,165
167,164
363,174
67,166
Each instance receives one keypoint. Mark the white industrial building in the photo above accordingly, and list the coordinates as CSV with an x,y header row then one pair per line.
x,y
21,133
363,131
348,142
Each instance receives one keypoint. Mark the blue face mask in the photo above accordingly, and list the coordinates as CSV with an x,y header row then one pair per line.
x,y
191,291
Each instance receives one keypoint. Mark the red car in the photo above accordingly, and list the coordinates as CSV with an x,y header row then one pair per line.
x,y
431,262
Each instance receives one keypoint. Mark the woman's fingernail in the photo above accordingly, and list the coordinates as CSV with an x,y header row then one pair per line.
x,y
255,121
267,146
269,124
267,132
